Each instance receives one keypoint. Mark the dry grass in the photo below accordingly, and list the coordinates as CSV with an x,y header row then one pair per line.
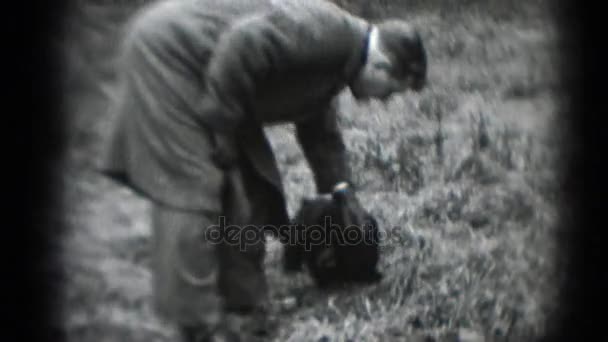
x,y
462,177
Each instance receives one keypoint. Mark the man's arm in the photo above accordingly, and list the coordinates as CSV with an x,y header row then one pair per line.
x,y
244,55
324,149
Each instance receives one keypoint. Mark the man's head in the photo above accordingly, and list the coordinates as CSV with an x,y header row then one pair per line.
x,y
396,61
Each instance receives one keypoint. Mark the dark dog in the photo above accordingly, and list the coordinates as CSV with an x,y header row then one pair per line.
x,y
335,249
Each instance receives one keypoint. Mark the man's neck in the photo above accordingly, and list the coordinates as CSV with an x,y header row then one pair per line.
x,y
373,44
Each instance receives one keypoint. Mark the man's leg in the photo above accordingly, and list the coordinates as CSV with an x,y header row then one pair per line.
x,y
185,271
242,281
241,276
211,290
210,287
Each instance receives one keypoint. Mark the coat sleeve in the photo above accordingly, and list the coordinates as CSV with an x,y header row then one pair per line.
x,y
324,149
270,45
243,55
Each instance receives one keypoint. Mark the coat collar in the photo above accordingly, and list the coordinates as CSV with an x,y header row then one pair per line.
x,y
359,58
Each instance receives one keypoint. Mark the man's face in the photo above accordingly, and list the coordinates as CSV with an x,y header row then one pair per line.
x,y
377,81
380,77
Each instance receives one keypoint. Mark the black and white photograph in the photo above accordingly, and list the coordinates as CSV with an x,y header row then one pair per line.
x,y
312,170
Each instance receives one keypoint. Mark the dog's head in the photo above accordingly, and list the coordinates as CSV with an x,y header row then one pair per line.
x,y
348,249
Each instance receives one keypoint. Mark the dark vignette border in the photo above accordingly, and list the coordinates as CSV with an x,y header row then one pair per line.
x,y
585,283
32,149
33,142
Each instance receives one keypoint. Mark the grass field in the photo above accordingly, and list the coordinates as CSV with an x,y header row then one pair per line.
x,y
463,179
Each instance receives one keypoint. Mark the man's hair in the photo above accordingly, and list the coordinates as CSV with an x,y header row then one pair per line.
x,y
403,45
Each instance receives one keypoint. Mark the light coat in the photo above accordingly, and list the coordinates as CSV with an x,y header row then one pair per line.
x,y
194,67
